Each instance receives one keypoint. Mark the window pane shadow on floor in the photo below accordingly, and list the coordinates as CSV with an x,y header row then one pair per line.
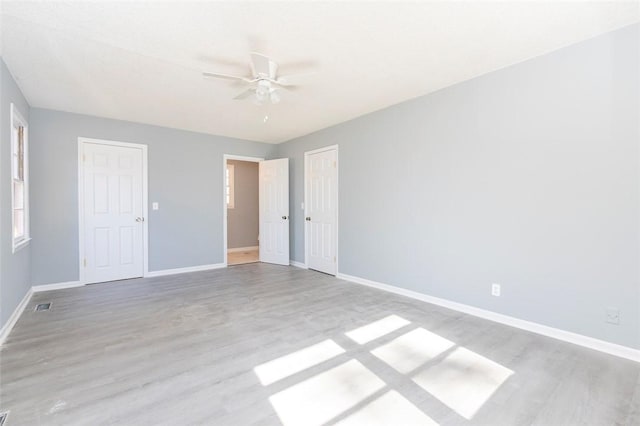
x,y
351,393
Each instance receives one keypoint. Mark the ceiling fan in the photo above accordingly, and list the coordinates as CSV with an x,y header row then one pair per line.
x,y
264,82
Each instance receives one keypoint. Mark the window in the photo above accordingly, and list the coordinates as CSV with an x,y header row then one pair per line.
x,y
229,184
19,179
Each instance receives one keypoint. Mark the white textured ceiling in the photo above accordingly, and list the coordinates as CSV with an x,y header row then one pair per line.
x,y
141,61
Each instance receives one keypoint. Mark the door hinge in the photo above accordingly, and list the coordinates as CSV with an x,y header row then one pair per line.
x,y
334,259
84,158
84,262
334,164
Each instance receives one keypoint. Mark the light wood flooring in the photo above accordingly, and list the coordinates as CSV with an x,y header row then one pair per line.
x,y
243,257
261,344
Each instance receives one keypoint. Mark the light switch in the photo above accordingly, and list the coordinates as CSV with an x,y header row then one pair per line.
x,y
155,206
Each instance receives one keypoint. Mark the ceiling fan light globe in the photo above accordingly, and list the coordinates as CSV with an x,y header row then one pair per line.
x,y
262,89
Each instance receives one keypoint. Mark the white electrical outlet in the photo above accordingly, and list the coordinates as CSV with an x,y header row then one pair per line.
x,y
612,315
495,290
155,206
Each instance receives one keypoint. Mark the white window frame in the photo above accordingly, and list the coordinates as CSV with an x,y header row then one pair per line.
x,y
17,120
230,186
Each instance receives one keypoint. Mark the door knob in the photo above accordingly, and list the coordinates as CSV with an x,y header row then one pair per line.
x,y
139,219
308,219
284,217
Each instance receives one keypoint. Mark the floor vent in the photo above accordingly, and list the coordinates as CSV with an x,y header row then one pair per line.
x,y
41,307
3,417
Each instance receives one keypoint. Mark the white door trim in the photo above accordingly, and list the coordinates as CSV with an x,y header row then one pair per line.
x,y
306,202
145,209
226,157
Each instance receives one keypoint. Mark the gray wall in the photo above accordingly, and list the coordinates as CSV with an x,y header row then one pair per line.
x,y
242,220
527,177
15,278
185,177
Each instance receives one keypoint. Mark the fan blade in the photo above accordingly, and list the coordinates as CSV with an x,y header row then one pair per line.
x,y
245,94
226,76
288,88
263,66
292,79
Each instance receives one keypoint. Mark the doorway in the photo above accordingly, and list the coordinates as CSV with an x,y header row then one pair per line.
x,y
272,211
112,201
321,209
241,199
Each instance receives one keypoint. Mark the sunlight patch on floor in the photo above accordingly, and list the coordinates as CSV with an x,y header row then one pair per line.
x,y
374,330
390,409
285,366
458,377
326,395
463,381
412,349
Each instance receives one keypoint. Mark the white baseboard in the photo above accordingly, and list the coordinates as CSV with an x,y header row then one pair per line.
x,y
56,286
298,264
185,270
6,329
241,249
556,333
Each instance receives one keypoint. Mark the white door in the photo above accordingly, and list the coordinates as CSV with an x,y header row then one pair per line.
x,y
274,211
113,212
322,210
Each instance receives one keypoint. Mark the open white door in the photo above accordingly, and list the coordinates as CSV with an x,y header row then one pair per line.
x,y
274,211
321,201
